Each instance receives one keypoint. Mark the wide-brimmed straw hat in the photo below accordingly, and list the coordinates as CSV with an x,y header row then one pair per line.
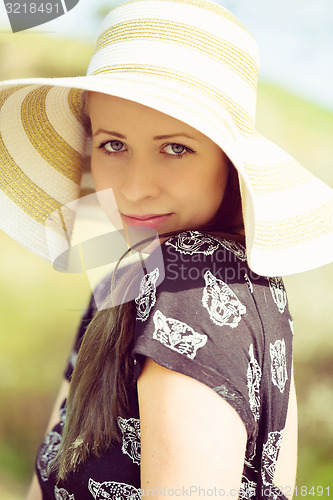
x,y
190,59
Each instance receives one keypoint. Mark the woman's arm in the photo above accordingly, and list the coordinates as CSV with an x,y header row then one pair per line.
x,y
34,490
190,436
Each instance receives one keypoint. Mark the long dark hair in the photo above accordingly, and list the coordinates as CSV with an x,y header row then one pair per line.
x,y
99,387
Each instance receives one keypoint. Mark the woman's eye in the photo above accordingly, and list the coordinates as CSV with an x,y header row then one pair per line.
x,y
176,149
113,146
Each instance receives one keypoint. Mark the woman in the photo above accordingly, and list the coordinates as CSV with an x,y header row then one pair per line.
x,y
187,389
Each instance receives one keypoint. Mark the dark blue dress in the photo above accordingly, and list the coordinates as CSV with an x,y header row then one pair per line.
x,y
202,312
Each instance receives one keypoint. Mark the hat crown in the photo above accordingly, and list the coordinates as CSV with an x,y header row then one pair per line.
x,y
185,40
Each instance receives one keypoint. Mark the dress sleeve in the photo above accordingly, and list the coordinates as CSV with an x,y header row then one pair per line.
x,y
201,320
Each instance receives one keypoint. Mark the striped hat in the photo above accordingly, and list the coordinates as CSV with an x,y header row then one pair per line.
x,y
190,59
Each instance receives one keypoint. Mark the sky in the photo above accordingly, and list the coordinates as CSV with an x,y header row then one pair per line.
x,y
295,38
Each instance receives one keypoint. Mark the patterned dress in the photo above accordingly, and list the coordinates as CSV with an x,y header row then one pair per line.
x,y
202,312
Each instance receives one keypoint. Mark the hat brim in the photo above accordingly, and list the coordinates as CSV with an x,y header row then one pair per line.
x,y
288,212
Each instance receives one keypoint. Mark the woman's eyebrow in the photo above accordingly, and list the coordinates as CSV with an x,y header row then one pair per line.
x,y
180,134
156,138
110,132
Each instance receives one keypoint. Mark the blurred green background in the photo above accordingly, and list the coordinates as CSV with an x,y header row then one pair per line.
x,y
40,308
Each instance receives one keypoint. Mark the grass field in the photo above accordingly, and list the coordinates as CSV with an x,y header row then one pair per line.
x,y
40,308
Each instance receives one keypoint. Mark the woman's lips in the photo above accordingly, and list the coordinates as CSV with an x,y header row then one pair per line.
x,y
149,220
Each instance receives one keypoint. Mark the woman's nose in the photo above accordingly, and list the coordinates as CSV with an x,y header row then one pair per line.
x,y
140,180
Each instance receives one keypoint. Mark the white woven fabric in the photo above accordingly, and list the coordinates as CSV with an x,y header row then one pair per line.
x,y
195,62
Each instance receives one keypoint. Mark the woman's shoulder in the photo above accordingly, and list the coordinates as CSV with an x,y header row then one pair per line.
x,y
198,243
193,259
196,270
192,255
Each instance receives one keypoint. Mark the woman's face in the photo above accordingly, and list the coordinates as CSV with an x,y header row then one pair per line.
x,y
164,174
